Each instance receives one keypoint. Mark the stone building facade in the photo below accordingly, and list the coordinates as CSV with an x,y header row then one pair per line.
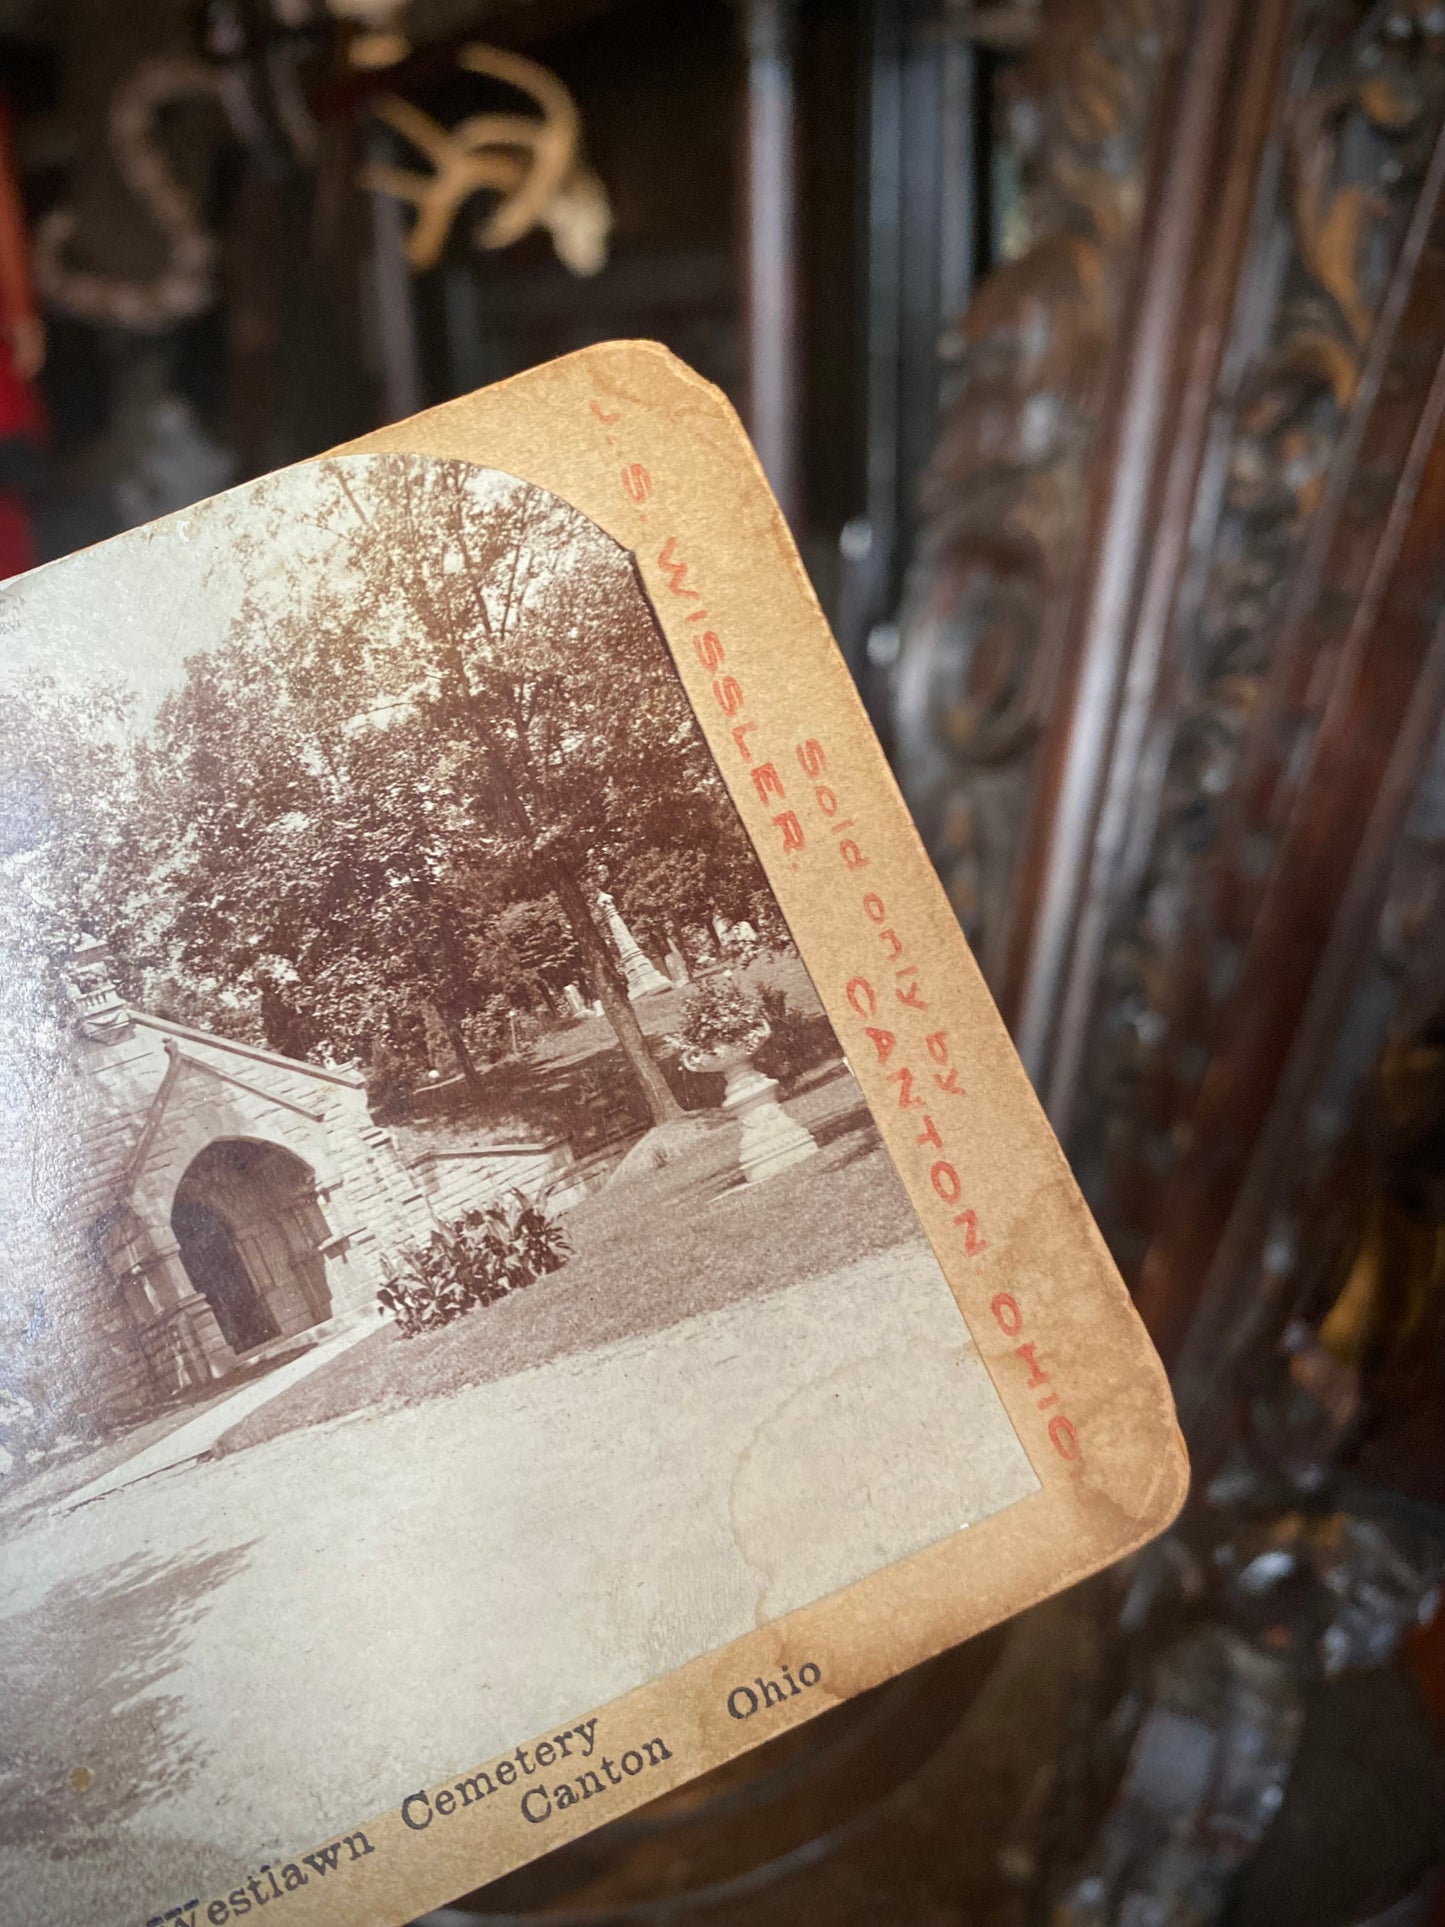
x,y
231,1205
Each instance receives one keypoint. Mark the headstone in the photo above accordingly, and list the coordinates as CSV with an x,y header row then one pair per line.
x,y
677,966
440,1055
576,1002
643,976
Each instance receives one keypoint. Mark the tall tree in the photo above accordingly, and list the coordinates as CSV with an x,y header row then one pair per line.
x,y
470,705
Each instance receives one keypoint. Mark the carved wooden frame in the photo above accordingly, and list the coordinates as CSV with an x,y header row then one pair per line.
x,y
1170,671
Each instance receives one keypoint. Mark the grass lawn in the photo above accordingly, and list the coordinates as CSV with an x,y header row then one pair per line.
x,y
659,1247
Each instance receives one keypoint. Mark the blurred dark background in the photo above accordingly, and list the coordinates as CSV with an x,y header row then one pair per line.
x,y
1096,351
796,199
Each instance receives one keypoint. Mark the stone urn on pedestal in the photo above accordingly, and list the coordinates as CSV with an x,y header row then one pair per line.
x,y
722,1028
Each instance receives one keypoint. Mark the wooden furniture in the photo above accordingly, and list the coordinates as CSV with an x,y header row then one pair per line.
x,y
1172,671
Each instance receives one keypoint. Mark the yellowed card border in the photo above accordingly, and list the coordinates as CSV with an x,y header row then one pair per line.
x,y
655,456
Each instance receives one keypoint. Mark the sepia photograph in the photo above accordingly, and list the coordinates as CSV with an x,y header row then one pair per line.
x,y
452,1275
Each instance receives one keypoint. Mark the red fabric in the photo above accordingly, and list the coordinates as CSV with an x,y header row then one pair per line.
x,y
17,547
21,415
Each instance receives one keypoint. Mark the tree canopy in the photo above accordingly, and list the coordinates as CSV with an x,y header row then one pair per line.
x,y
402,779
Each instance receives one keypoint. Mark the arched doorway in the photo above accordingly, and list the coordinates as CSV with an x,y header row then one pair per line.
x,y
250,1232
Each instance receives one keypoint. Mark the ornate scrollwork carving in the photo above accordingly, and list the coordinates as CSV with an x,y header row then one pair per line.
x,y
1366,102
1005,498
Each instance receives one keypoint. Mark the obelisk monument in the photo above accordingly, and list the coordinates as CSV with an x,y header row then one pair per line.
x,y
643,976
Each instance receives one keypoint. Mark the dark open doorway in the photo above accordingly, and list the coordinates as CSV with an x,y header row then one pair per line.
x,y
216,1268
251,1231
